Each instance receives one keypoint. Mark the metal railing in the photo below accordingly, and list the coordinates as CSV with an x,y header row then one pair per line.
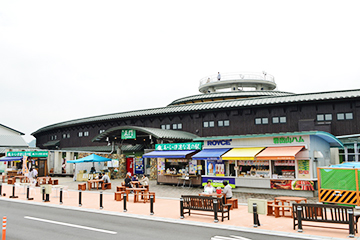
x,y
237,76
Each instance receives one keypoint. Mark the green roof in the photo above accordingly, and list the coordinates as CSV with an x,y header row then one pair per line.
x,y
156,132
124,148
331,139
208,106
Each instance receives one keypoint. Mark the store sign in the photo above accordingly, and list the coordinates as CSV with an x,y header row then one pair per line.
x,y
179,146
281,140
28,154
128,134
292,185
218,181
219,142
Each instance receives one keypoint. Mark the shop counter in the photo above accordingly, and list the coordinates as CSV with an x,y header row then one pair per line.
x,y
252,182
173,179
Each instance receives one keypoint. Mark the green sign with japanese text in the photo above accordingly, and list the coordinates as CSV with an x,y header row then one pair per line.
x,y
128,134
28,153
179,146
279,140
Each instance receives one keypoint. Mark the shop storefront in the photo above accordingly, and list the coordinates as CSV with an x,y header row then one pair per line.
x,y
269,161
175,161
35,159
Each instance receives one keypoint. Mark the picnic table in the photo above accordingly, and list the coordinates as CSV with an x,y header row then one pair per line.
x,y
95,183
42,180
138,192
282,204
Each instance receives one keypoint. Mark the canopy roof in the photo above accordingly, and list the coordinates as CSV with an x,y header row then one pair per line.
x,y
9,159
279,153
210,154
168,154
242,153
90,158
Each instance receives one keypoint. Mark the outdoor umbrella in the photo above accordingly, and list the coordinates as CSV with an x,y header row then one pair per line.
x,y
91,158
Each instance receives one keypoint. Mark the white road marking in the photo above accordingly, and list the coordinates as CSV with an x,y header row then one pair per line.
x,y
229,238
70,225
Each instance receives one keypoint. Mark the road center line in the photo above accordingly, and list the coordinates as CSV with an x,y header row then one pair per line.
x,y
70,225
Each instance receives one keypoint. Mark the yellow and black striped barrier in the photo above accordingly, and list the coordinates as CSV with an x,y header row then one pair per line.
x,y
338,196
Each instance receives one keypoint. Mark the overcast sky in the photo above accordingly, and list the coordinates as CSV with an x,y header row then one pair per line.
x,y
63,60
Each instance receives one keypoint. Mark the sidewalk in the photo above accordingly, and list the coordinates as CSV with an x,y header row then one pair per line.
x,y
167,208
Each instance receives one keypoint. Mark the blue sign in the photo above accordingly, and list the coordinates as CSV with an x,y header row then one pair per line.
x,y
139,165
219,142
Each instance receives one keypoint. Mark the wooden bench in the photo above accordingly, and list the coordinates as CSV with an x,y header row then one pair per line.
x,y
120,188
233,202
82,186
11,180
146,196
119,196
324,213
107,185
202,203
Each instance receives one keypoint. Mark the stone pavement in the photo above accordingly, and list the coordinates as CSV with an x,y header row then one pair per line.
x,y
167,208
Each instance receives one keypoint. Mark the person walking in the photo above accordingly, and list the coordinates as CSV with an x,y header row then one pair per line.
x,y
218,76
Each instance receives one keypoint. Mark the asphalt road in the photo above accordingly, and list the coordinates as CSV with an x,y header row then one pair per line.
x,y
34,222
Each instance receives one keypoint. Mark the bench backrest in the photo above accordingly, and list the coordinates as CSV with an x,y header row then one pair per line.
x,y
201,202
322,212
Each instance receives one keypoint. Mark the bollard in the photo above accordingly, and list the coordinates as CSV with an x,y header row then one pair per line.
x,y
28,193
0,189
298,215
256,216
101,200
61,195
215,210
125,202
80,198
181,208
13,192
151,205
4,228
43,193
351,223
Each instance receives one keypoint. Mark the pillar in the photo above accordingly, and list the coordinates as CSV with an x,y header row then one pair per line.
x,y
58,162
346,154
69,166
356,152
153,169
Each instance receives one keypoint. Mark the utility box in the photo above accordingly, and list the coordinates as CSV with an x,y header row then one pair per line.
x,y
47,187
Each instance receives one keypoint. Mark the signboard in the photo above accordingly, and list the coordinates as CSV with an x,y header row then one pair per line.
x,y
292,185
28,154
139,165
128,134
303,169
216,168
179,146
282,140
218,181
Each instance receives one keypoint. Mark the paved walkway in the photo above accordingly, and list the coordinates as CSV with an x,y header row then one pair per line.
x,y
167,208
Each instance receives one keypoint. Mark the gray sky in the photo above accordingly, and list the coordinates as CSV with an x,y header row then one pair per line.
x,y
63,60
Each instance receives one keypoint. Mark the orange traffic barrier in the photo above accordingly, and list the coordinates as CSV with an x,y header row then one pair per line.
x,y
4,229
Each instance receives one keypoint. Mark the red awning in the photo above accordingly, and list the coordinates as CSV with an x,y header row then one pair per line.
x,y
279,153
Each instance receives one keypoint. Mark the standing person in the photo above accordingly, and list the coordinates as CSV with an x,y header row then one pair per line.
x,y
34,173
227,190
218,76
208,188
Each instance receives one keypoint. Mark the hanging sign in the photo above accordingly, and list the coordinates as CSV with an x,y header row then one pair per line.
x,y
179,146
128,134
28,154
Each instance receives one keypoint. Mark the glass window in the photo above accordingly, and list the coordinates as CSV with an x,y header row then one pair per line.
x,y
282,119
220,123
257,120
64,135
206,124
348,116
328,117
179,126
80,134
265,120
211,124
320,117
163,127
101,131
167,126
275,120
86,133
68,135
174,126
340,116
226,123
